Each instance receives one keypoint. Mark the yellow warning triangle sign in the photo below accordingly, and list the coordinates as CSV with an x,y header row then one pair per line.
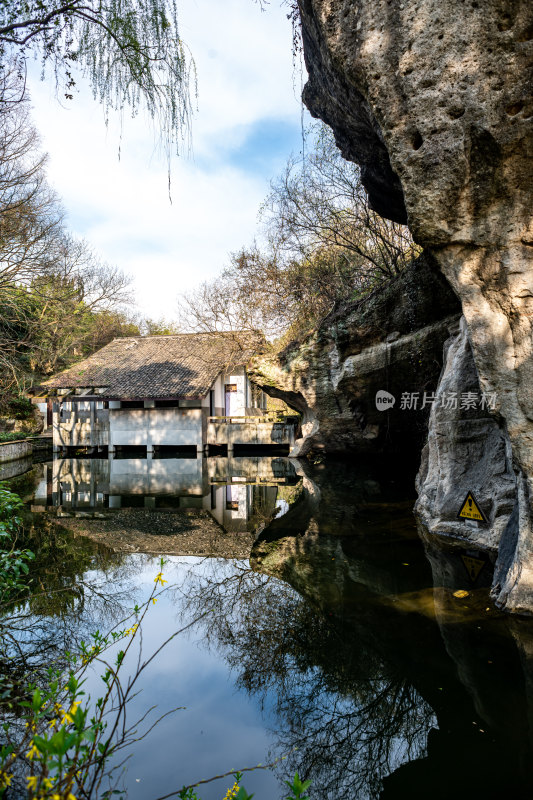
x,y
471,510
473,566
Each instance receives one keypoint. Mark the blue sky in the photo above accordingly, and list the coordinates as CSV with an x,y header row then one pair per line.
x,y
247,124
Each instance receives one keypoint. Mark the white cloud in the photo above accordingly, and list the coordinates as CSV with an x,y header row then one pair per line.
x,y
245,76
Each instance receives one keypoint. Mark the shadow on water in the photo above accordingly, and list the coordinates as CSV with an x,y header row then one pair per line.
x,y
439,682
374,662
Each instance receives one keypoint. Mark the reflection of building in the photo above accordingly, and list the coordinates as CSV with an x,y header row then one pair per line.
x,y
238,492
183,390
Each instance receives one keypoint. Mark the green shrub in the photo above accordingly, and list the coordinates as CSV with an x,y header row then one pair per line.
x,y
21,408
14,436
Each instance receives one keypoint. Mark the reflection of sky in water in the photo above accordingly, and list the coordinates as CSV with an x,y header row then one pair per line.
x,y
220,729
224,726
357,650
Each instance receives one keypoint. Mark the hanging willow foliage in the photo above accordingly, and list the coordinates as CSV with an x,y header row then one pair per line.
x,y
130,50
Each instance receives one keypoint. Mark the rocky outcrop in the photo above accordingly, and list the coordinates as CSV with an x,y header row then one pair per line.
x,y
433,100
31,422
467,451
392,343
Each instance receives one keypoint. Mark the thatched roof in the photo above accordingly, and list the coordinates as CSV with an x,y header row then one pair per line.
x,y
177,365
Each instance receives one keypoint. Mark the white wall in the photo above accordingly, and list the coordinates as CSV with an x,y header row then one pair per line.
x,y
238,377
218,387
155,426
219,393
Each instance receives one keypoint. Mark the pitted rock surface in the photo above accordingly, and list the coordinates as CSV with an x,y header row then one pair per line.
x,y
434,99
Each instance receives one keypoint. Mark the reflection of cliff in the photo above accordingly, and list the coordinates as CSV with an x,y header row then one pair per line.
x,y
373,593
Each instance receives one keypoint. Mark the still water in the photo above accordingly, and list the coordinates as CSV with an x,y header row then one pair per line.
x,y
325,636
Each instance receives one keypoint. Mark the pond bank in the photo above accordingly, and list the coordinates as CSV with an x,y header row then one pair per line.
x,y
13,451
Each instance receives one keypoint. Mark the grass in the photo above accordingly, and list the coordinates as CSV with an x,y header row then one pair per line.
x,y
14,436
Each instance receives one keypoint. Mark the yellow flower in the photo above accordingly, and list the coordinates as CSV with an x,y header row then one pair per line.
x,y
131,631
33,780
66,716
5,779
32,752
232,792
159,579
154,600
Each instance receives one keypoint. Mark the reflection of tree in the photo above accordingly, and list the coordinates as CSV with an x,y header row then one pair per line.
x,y
74,588
262,508
338,638
353,725
353,717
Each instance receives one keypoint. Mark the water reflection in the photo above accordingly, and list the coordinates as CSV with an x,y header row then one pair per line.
x,y
429,686
239,493
341,636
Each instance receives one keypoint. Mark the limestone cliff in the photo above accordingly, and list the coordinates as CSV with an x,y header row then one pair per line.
x,y
433,99
391,342
468,450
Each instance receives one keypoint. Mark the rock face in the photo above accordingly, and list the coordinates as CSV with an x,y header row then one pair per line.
x,y
390,343
433,99
32,424
467,450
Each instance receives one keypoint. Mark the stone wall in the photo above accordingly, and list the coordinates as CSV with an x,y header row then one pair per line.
x,y
11,451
